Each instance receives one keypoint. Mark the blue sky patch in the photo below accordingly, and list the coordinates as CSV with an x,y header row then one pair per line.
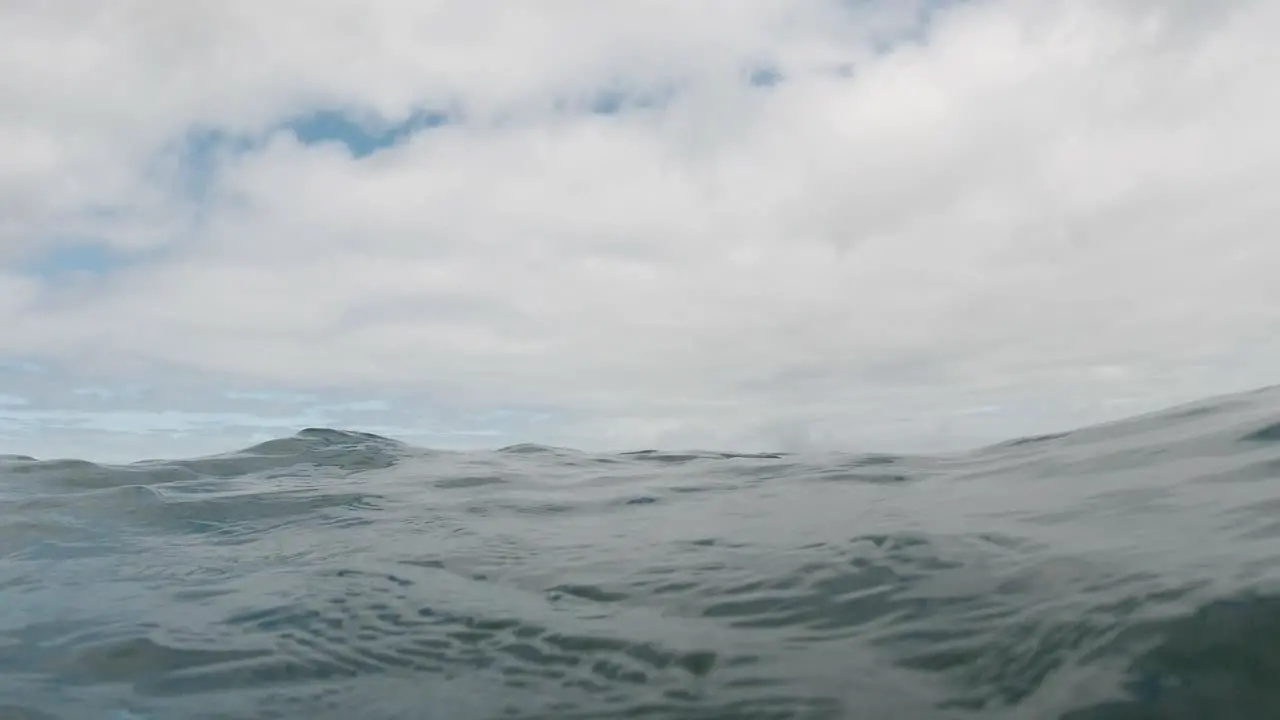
x,y
76,258
199,153
360,138
765,77
612,102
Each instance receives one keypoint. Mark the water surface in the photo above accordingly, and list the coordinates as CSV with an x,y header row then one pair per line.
x,y
1124,572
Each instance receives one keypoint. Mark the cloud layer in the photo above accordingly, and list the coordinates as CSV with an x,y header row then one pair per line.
x,y
749,223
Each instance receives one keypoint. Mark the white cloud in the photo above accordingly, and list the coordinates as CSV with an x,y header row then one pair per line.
x,y
1060,210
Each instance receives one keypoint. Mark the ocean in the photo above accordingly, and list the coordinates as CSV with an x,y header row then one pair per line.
x,y
1121,572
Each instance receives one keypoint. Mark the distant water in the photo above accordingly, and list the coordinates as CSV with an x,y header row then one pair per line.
x,y
1124,572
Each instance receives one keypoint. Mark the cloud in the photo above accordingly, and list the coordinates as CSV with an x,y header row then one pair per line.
x,y
823,223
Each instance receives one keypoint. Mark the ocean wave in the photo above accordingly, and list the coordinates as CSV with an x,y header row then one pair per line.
x,y
1118,572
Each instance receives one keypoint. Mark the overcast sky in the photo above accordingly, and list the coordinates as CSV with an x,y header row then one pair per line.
x,y
736,224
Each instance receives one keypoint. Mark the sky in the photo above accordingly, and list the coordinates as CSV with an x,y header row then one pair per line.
x,y
862,225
